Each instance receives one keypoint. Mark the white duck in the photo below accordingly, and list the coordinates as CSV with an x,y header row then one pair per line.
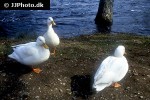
x,y
51,38
31,53
111,70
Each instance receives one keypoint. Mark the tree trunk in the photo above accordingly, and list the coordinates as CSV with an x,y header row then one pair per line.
x,y
104,15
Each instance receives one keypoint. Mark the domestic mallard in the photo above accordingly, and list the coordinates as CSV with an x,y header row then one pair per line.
x,y
31,53
51,38
111,70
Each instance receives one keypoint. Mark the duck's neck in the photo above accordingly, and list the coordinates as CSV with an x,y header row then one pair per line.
x,y
50,29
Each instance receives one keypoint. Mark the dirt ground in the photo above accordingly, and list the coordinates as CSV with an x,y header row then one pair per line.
x,y
69,74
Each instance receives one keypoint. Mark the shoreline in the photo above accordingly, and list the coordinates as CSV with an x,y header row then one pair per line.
x,y
23,35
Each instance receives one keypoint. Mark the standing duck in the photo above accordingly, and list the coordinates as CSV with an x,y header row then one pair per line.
x,y
51,38
111,70
31,53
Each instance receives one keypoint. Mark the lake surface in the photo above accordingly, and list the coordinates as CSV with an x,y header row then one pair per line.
x,y
76,17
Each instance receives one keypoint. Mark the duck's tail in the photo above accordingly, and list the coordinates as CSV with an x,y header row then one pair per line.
x,y
99,87
13,56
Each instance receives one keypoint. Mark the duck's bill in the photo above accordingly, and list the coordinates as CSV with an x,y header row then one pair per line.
x,y
53,23
45,46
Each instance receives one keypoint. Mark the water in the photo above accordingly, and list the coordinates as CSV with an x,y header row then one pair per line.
x,y
132,16
74,18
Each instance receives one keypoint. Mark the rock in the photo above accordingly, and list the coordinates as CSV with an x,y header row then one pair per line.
x,y
59,79
135,95
131,95
127,88
56,88
148,76
73,98
3,74
69,93
37,97
60,90
138,93
135,74
141,97
63,84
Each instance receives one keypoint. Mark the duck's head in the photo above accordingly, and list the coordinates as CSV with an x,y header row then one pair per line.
x,y
120,51
50,21
41,41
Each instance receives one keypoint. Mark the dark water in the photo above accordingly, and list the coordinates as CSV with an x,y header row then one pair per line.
x,y
76,17
132,16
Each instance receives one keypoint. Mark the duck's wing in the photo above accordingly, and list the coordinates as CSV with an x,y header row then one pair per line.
x,y
103,75
120,67
25,50
102,68
19,45
103,71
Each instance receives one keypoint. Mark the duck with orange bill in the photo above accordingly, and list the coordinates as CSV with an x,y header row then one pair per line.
x,y
51,38
31,53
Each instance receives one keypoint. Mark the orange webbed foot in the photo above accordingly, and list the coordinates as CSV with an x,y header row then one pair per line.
x,y
37,70
116,85
53,53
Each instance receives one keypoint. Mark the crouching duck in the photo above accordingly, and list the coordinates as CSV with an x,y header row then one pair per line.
x,y
31,53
